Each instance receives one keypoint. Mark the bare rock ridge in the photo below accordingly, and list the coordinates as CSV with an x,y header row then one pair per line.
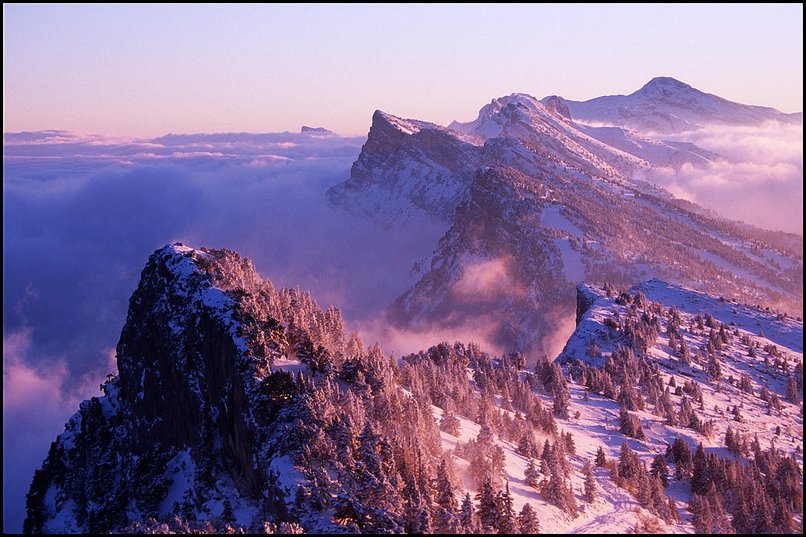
x,y
407,169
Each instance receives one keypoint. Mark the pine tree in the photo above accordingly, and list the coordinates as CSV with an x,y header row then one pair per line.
x,y
783,517
701,478
445,497
660,470
601,460
630,425
762,522
590,482
703,520
561,400
570,447
629,466
466,515
487,505
531,475
721,522
506,516
525,447
528,524
730,440
227,515
449,423
546,453
792,391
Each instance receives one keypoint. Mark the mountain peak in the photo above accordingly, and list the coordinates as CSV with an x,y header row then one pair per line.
x,y
664,86
382,120
666,81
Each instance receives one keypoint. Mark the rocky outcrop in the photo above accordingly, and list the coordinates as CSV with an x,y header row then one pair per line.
x,y
407,169
183,364
194,359
315,130
586,296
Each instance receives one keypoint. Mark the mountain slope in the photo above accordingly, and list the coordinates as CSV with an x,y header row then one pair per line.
x,y
185,421
536,203
243,408
666,106
518,244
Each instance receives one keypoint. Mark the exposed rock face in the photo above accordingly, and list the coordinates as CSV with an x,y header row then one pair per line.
x,y
585,299
201,334
408,169
181,358
558,106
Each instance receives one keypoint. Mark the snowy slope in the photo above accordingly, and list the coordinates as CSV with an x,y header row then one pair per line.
x,y
240,407
665,106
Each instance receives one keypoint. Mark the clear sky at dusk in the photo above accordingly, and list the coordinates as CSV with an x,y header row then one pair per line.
x,y
147,70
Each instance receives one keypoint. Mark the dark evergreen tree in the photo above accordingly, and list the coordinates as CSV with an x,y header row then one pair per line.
x,y
719,518
506,517
701,511
466,515
227,515
528,524
445,496
531,475
487,506
590,482
449,423
701,478
601,460
660,470
630,425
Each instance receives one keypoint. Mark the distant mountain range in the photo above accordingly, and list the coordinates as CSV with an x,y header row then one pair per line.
x,y
665,106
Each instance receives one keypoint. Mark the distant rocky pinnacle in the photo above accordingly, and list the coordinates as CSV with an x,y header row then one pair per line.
x,y
315,130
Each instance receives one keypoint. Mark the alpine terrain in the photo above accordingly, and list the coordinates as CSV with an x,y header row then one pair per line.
x,y
534,203
239,406
617,359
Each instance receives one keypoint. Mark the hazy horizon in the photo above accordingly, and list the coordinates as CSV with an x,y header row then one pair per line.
x,y
144,71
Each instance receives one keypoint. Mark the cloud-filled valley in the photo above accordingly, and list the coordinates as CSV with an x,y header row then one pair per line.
x,y
759,181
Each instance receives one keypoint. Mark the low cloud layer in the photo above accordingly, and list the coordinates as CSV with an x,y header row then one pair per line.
x,y
82,214
760,182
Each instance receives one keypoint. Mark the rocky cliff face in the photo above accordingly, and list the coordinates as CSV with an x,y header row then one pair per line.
x,y
183,358
408,169
194,357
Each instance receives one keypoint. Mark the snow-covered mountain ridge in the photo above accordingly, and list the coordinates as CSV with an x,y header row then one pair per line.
x,y
535,202
665,105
